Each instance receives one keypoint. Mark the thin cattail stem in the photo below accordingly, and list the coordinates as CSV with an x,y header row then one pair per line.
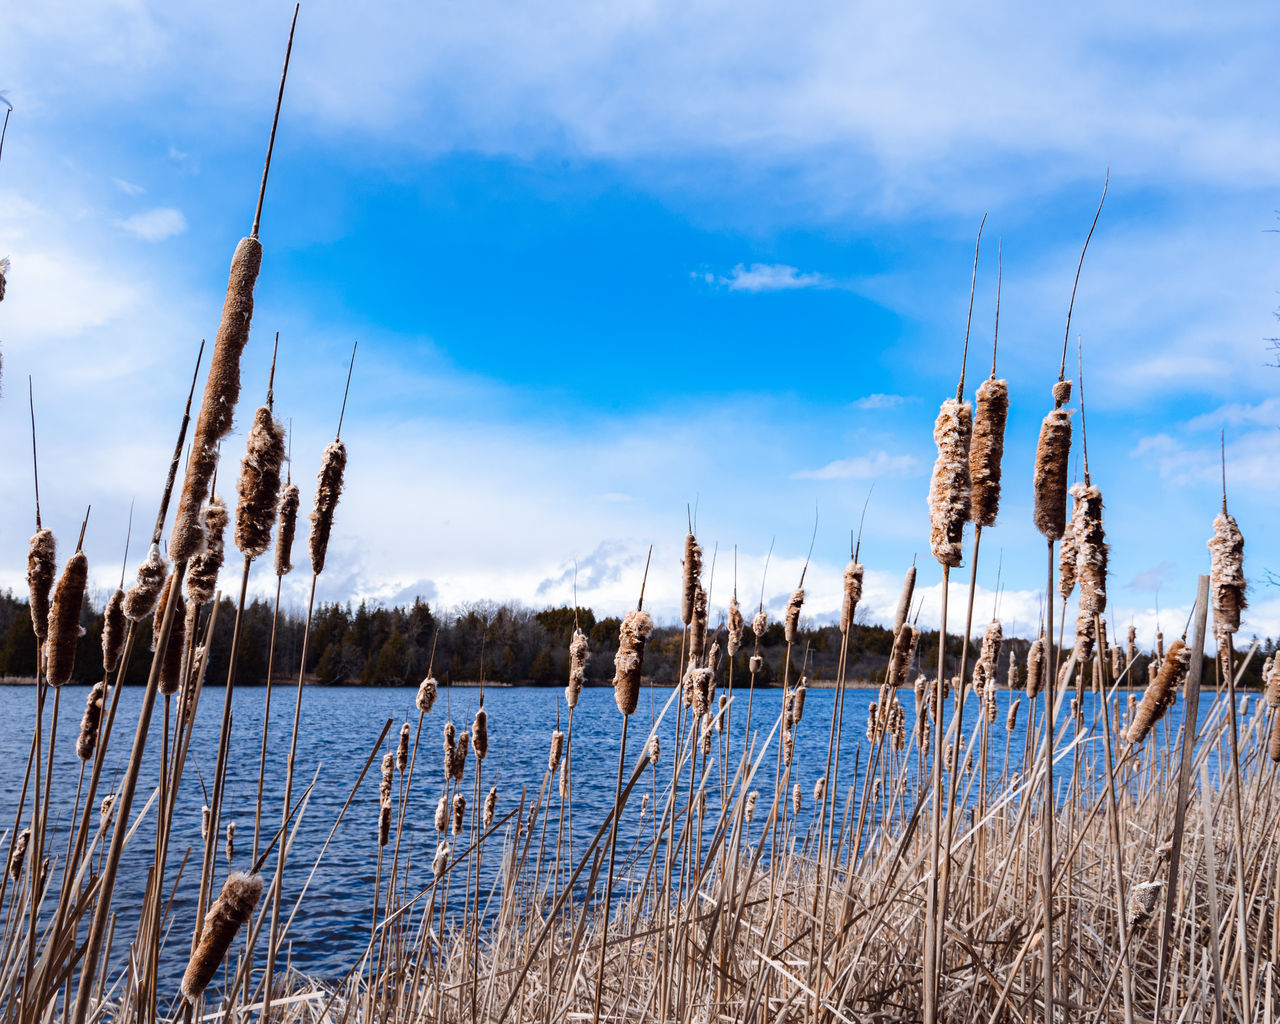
x,y
275,121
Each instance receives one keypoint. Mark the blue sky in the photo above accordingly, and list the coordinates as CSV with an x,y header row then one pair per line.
x,y
605,261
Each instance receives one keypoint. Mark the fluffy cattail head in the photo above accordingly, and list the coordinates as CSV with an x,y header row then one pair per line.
x,y
202,573
1086,636
1142,901
1273,747
797,798
427,695
1272,679
820,789
698,624
899,656
949,486
458,761
987,449
577,667
259,483
1068,559
42,567
286,528
171,657
851,595
442,814
440,862
737,626
755,664
221,393
459,812
234,906
231,841
1011,719
107,811
654,751
759,624
142,596
1037,668
1131,647
1227,574
384,824
749,810
628,663
797,705
64,619
402,748
791,622
206,817
1053,452
556,751
480,734
490,805
328,490
113,627
565,781
450,739
19,855
1161,693
388,776
692,572
88,739
1091,548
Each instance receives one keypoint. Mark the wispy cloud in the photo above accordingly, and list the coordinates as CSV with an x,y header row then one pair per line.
x,y
127,187
155,225
862,467
1237,414
1154,578
869,402
769,277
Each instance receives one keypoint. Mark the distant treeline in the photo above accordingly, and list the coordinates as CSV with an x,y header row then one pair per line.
x,y
372,645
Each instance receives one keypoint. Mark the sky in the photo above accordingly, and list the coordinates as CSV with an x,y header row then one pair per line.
x,y
606,263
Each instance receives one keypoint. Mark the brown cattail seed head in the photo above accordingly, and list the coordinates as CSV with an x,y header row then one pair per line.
x,y
142,596
113,627
328,490
440,862
234,906
1037,668
221,393
899,657
384,824
107,811
490,805
749,810
759,624
450,738
949,485
987,449
797,706
797,798
427,695
654,751
755,664
459,812
42,567
629,661
480,734
64,619
259,484
692,572
904,600
459,765
1160,694
1131,647
206,817
388,775
19,855
202,572
1068,559
88,739
1272,679
713,658
698,624
851,595
556,751
1142,901
737,626
820,789
231,841
1011,719
1227,574
577,667
286,529
402,748
1091,548
171,658
442,814
1273,747
565,781
1049,478
791,622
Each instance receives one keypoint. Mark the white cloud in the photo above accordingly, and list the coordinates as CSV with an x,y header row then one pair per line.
x,y
127,187
1235,414
873,402
862,467
770,277
155,225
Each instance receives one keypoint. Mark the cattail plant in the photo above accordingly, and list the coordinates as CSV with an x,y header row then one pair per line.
x,y
949,486
797,799
459,813
440,862
141,598
986,450
450,741
64,619
384,824
18,858
402,749
577,667
692,572
1068,558
1160,694
426,697
759,624
1091,548
171,656
1037,667
851,594
1142,902
698,624
480,734
87,742
1053,453
556,751
234,906
42,568
206,817
286,529
328,490
259,484
737,626
113,628
629,661
1011,718
749,809
791,621
490,805
221,393
231,841
442,814
1227,580
1131,647
204,567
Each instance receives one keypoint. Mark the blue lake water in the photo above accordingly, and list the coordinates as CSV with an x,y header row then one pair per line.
x,y
339,729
